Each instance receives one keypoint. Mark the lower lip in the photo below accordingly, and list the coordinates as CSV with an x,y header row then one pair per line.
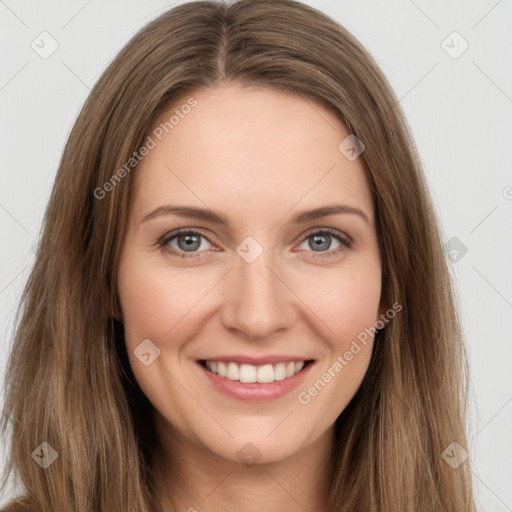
x,y
255,391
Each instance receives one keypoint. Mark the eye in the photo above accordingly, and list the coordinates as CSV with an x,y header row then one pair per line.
x,y
322,238
187,241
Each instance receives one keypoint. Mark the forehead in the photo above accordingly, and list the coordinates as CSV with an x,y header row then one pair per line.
x,y
252,150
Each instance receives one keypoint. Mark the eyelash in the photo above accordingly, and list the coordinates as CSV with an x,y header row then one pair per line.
x,y
346,242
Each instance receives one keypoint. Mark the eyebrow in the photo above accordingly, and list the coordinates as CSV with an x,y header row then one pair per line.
x,y
217,218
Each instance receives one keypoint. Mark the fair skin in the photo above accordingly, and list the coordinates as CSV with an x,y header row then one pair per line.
x,y
258,157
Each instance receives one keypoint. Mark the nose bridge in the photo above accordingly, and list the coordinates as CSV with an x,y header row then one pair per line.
x,y
259,302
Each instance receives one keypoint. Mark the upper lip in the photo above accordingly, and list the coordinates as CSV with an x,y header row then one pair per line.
x,y
256,360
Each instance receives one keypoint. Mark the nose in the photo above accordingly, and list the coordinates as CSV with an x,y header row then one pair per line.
x,y
258,302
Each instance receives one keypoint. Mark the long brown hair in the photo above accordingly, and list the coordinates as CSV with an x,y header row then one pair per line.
x,y
69,383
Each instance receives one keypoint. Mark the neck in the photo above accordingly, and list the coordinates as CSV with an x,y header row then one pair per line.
x,y
192,478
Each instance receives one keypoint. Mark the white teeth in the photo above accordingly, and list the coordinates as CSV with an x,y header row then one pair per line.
x,y
279,371
265,373
233,372
248,373
221,369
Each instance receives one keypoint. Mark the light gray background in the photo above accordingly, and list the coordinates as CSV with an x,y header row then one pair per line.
x,y
459,110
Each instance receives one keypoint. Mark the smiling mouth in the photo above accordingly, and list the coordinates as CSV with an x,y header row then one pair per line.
x,y
248,373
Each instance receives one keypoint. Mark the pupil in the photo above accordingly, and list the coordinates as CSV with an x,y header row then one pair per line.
x,y
321,241
190,240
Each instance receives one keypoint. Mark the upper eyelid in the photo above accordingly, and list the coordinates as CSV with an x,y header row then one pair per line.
x,y
174,233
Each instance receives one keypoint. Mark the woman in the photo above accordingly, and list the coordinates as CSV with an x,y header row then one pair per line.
x,y
240,299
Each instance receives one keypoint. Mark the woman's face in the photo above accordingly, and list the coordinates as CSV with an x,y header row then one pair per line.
x,y
265,288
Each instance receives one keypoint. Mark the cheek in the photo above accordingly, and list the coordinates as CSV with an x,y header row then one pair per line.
x,y
155,300
348,305
156,304
346,301
357,309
